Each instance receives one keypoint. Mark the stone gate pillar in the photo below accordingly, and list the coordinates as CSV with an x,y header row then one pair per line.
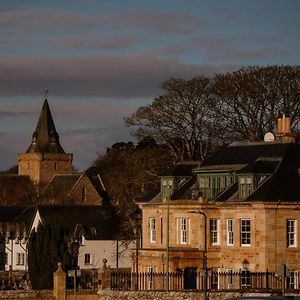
x,y
59,283
104,276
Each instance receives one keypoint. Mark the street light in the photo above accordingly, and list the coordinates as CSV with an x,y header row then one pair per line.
x,y
204,259
137,216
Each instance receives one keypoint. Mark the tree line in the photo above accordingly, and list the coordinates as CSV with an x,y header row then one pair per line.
x,y
193,118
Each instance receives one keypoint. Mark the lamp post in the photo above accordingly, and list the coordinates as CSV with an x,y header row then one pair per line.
x,y
204,259
137,215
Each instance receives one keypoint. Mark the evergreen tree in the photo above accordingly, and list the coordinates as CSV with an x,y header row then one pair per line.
x,y
47,246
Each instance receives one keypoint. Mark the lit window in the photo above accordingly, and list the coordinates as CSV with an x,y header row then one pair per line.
x,y
245,232
291,233
87,259
229,232
214,231
183,230
20,259
152,230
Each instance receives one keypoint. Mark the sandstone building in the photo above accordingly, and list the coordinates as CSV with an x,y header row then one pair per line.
x,y
245,200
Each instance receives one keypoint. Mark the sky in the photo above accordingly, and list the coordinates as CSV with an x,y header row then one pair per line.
x,y
101,60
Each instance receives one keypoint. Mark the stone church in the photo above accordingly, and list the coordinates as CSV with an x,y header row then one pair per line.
x,y
45,173
47,190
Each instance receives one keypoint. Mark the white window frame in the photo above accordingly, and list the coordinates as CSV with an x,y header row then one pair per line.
x,y
291,231
20,259
183,226
245,232
152,229
229,231
214,231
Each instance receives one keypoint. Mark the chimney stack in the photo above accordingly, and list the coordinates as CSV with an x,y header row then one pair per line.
x,y
284,132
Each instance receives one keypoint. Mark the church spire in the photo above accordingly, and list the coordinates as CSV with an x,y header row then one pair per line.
x,y
45,139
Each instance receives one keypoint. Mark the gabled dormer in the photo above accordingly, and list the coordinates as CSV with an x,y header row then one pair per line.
x,y
255,174
175,177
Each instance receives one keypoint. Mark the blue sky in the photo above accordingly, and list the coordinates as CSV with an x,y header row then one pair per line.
x,y
101,60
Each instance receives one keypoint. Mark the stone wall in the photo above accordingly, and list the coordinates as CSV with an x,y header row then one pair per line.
x,y
161,295
26,295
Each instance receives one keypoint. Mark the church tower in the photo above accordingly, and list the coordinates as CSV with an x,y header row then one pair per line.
x,y
45,156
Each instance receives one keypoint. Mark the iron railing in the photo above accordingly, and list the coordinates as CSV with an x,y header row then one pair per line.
x,y
216,281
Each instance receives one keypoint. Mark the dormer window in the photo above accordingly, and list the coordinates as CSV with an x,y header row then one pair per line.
x,y
246,186
166,188
211,185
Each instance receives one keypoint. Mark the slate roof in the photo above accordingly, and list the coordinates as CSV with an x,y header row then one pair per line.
x,y
181,169
16,190
279,161
16,221
45,138
59,187
284,184
243,153
262,166
103,219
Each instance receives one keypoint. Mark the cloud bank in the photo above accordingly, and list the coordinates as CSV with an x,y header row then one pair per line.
x,y
131,76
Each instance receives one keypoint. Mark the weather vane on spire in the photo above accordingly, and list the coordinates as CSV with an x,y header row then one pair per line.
x,y
46,93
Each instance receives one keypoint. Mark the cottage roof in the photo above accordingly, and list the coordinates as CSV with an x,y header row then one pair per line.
x,y
60,186
45,138
100,223
16,190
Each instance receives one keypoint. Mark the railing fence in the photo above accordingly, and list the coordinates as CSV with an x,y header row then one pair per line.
x,y
216,281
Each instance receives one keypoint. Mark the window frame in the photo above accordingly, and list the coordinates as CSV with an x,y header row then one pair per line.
x,y
245,235
150,282
214,226
229,232
87,258
152,230
245,279
20,259
183,229
291,236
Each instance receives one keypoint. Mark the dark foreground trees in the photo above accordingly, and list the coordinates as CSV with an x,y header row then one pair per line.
x,y
47,246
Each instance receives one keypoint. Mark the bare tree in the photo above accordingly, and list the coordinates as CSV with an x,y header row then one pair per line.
x,y
181,118
252,98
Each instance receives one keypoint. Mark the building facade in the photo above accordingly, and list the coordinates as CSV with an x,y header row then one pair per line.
x,y
236,211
